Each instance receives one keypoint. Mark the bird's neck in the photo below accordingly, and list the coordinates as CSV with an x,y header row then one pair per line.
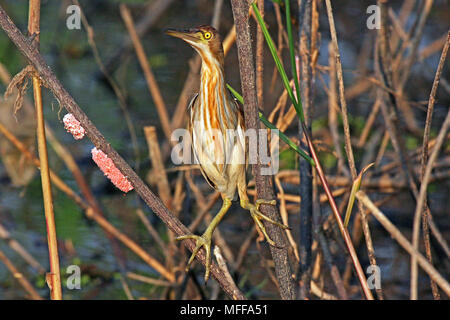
x,y
212,82
212,75
213,94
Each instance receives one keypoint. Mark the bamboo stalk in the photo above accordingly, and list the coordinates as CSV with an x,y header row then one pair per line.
x,y
54,277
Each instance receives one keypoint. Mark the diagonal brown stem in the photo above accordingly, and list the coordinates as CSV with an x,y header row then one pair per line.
x,y
337,215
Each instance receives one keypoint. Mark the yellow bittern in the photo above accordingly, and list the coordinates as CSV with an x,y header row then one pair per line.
x,y
213,114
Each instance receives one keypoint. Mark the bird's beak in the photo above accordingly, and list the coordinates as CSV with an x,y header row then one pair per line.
x,y
191,36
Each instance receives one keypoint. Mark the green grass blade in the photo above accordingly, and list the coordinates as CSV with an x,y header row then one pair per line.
x,y
277,61
236,94
286,139
292,50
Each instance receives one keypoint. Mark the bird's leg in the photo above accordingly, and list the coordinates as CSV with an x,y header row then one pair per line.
x,y
205,239
258,216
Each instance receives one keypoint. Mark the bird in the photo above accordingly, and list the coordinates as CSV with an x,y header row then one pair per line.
x,y
222,157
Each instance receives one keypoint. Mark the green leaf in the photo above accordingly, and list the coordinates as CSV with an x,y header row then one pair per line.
x,y
355,188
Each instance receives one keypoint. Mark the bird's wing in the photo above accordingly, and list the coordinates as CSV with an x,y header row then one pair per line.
x,y
241,123
208,180
238,105
191,103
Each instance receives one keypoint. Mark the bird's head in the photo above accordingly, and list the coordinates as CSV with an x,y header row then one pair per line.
x,y
205,39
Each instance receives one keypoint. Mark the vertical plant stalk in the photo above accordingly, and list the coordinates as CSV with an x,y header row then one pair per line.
x,y
422,197
304,90
263,183
347,138
423,162
333,107
54,277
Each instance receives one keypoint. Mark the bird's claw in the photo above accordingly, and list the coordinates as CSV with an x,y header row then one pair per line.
x,y
258,216
200,241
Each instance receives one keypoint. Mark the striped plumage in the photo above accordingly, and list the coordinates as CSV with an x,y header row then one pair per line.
x,y
217,129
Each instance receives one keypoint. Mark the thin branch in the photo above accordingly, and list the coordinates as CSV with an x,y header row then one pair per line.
x,y
148,73
16,246
153,11
20,277
333,108
421,201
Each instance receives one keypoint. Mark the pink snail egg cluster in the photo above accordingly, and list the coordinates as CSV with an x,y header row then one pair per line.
x,y
73,126
110,170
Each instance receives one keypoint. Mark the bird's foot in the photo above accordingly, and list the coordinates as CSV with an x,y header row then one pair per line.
x,y
200,241
258,216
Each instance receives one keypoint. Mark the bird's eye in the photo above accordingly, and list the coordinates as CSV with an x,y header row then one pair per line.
x,y
207,35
